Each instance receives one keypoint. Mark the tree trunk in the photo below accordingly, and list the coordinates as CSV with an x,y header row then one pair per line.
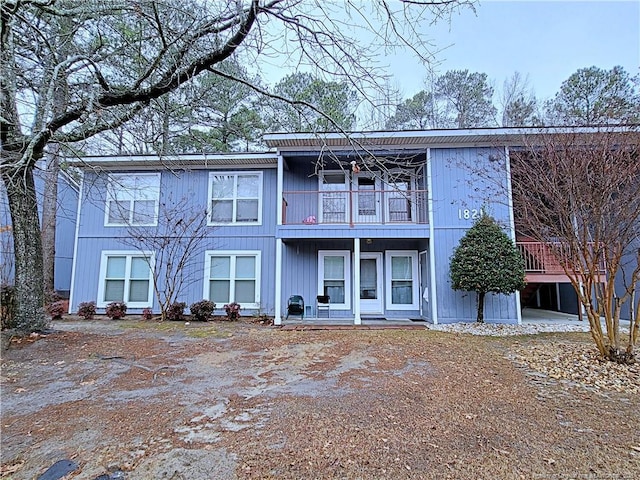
x,y
29,291
481,307
49,214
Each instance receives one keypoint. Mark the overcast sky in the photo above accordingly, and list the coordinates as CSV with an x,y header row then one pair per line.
x,y
548,40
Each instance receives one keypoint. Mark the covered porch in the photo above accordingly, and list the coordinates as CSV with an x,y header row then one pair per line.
x,y
367,281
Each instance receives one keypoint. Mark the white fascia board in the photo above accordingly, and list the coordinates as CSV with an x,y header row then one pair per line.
x,y
415,138
178,161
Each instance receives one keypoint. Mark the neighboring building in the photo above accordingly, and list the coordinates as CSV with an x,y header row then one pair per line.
x,y
370,221
68,190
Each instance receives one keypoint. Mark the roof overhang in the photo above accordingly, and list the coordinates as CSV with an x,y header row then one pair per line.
x,y
186,161
414,139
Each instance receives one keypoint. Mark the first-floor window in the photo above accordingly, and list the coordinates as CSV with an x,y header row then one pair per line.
x,y
402,280
233,277
126,277
334,277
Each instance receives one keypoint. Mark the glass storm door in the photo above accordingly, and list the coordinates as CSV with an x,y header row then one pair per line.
x,y
367,199
371,283
333,199
400,201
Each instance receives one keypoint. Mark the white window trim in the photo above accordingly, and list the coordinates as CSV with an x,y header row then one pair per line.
x,y
232,253
347,277
233,222
414,274
129,254
108,200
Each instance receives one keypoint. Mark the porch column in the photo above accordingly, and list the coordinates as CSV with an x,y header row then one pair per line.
x,y
356,282
432,238
279,185
278,287
512,225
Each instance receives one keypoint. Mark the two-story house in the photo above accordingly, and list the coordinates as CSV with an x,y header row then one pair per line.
x,y
369,221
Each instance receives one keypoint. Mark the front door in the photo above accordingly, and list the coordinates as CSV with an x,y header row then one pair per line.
x,y
366,198
371,283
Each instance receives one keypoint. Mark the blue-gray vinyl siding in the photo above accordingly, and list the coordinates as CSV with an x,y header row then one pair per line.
x,y
623,280
7,272
357,231
459,184
175,187
94,237
89,256
65,234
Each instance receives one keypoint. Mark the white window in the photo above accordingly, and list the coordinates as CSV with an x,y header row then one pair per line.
x,y
232,277
334,277
236,198
402,289
126,276
132,199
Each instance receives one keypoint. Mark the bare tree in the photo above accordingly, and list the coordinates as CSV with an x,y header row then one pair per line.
x,y
126,54
456,99
578,192
177,243
518,102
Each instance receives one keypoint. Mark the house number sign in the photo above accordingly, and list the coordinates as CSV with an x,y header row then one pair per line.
x,y
469,213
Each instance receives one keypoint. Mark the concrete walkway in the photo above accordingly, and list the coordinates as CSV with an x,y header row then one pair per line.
x,y
530,316
536,315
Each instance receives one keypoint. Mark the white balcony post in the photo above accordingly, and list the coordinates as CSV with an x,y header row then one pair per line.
x,y
512,223
279,194
356,282
432,252
278,290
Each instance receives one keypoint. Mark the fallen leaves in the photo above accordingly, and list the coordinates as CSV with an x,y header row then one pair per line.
x,y
10,468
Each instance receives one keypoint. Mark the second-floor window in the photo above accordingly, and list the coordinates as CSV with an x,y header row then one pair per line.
x,y
236,198
132,199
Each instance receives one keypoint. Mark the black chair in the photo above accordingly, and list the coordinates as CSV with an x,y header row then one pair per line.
x,y
295,306
322,303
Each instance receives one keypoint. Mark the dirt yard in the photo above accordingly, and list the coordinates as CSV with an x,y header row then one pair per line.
x,y
235,401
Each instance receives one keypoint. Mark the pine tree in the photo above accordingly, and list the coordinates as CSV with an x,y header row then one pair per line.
x,y
486,260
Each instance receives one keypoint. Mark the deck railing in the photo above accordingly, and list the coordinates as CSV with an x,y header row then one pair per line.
x,y
354,207
543,258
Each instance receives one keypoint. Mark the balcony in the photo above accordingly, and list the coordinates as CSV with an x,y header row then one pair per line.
x,y
541,262
351,207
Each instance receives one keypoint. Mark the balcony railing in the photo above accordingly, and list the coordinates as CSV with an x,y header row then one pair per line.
x,y
351,207
543,258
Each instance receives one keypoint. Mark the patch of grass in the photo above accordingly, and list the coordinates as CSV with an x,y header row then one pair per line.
x,y
207,332
154,326
191,330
